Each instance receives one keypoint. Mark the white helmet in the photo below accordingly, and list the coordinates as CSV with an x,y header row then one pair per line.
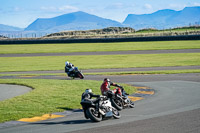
x,y
88,91
66,63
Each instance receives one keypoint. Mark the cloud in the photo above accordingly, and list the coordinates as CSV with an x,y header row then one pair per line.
x,y
148,6
118,5
65,8
115,6
196,4
51,8
182,6
177,6
16,9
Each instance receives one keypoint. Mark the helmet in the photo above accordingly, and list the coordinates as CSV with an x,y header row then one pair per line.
x,y
107,80
88,91
66,63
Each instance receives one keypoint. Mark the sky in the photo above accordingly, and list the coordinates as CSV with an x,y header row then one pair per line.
x,y
21,13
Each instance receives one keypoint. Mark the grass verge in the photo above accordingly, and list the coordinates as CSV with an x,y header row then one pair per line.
x,y
98,61
93,47
48,96
111,73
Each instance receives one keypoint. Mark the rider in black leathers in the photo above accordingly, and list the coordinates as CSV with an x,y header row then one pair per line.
x,y
69,67
88,95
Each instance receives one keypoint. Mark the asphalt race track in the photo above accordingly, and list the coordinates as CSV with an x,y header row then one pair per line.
x,y
174,108
9,91
106,53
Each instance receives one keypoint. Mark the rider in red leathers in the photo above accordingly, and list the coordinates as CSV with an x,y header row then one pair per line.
x,y
105,87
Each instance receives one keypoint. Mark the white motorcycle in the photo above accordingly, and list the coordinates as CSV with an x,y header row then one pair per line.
x,y
105,110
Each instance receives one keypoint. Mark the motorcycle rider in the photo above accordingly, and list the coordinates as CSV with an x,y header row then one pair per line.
x,y
69,67
105,87
88,95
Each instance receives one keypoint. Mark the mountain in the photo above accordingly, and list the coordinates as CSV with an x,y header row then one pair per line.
x,y
163,19
9,28
72,21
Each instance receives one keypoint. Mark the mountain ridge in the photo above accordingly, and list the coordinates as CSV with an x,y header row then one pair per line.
x,y
72,21
4,27
161,19
165,18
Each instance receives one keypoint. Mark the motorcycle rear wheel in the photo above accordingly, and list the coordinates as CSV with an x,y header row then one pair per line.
x,y
96,117
117,103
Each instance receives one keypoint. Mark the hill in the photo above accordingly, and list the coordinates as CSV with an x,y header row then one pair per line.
x,y
72,21
164,19
9,28
98,33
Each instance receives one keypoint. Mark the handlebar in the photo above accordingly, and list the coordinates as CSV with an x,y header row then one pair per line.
x,y
102,98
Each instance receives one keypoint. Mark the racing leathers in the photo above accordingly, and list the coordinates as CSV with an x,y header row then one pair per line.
x,y
69,69
105,87
89,96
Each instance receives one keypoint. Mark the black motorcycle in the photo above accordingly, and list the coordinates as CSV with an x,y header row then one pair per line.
x,y
76,73
120,101
99,109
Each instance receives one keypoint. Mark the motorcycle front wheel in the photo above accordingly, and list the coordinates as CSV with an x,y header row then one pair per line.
x,y
116,113
80,75
131,105
93,115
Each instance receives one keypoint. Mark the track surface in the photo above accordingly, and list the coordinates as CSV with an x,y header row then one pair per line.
x,y
9,91
106,53
174,107
162,111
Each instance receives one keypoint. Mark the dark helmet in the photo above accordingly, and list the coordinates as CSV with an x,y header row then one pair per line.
x,y
106,80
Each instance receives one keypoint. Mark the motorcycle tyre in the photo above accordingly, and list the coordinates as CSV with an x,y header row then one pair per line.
x,y
116,113
131,105
114,104
80,75
90,112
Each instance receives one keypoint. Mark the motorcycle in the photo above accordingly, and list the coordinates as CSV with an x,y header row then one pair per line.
x,y
76,74
98,113
120,101
126,101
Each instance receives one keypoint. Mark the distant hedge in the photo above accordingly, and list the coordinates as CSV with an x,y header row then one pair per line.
x,y
99,40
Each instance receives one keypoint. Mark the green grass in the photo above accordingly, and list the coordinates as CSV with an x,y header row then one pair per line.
x,y
58,95
35,74
98,61
92,47
48,96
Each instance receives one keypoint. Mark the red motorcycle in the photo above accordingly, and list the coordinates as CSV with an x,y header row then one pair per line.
x,y
76,74
119,99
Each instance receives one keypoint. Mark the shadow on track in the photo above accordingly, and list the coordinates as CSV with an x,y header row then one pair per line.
x,y
64,122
